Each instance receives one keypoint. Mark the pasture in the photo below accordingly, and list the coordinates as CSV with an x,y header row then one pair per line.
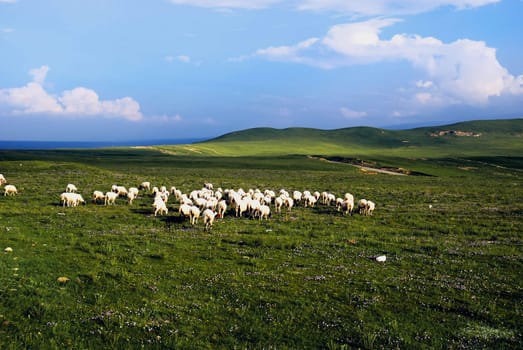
x,y
303,279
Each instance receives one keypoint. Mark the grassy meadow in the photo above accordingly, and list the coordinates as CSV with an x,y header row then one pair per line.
x,y
303,279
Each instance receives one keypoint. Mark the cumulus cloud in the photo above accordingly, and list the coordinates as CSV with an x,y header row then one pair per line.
x,y
463,71
34,99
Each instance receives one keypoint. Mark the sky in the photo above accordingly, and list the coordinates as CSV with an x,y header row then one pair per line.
x,y
113,70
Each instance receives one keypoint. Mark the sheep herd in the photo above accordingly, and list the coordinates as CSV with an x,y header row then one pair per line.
x,y
209,204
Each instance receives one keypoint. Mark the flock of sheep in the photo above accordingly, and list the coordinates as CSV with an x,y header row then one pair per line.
x,y
210,204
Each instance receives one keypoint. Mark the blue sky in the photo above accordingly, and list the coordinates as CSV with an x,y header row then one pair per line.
x,y
169,69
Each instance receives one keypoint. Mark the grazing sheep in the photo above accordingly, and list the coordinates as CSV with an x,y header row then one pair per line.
x,y
297,196
122,191
241,207
208,218
10,190
155,190
208,186
264,211
195,215
159,207
278,203
200,202
185,210
71,199
366,207
2,180
345,204
146,185
110,198
131,196
253,206
222,208
289,203
362,206
71,188
98,196
370,208
309,201
78,199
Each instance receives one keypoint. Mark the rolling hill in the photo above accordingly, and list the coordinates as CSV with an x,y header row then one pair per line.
x,y
473,138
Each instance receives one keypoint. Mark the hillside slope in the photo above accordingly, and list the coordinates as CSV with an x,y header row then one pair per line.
x,y
474,138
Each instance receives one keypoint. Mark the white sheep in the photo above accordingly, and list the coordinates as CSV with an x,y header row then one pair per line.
x,y
71,188
370,207
345,204
264,211
208,218
2,180
71,199
77,199
160,207
98,196
362,206
122,191
289,203
10,190
241,207
195,215
110,198
146,185
297,196
366,207
208,186
278,203
185,210
309,201
131,196
222,208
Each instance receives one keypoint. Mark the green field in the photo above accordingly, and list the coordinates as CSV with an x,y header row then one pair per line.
x,y
453,238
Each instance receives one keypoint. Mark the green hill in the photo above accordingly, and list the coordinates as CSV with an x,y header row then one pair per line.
x,y
474,138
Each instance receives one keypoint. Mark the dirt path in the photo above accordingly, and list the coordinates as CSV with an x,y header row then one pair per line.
x,y
382,171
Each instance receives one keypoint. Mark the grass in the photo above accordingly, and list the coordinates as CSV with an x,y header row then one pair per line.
x,y
304,279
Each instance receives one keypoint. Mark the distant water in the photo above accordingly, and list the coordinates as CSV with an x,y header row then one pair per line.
x,y
39,145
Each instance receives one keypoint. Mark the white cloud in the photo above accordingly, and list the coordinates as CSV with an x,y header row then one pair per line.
x,y
355,8
227,4
465,71
33,99
8,1
184,59
352,114
39,74
165,119
387,7
424,84
7,30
